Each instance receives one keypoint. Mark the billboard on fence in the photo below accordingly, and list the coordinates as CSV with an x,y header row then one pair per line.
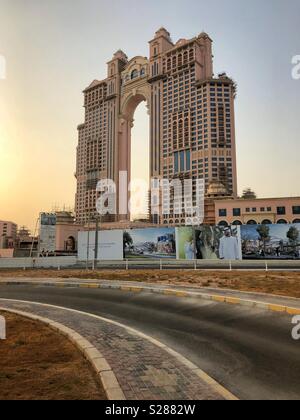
x,y
276,242
152,243
218,242
47,237
185,243
110,245
6,253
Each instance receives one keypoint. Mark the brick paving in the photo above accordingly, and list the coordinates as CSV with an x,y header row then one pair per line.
x,y
143,370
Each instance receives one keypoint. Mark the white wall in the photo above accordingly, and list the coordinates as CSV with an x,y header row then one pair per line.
x,y
110,245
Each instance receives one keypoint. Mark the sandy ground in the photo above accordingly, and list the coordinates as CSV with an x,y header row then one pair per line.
x,y
278,283
37,363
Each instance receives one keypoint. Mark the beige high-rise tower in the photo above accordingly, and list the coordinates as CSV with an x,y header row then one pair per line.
x,y
191,116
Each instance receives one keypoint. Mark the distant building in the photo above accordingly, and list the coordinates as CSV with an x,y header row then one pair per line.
x,y
192,123
26,243
66,233
258,211
8,234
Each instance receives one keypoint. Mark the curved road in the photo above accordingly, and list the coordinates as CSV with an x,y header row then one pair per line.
x,y
249,351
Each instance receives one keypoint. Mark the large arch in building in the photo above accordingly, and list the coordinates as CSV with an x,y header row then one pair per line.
x,y
135,89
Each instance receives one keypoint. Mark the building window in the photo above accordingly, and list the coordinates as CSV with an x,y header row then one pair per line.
x,y
281,211
182,161
296,209
296,221
176,163
236,212
252,222
237,223
134,74
266,222
269,208
222,213
188,161
247,210
223,223
254,209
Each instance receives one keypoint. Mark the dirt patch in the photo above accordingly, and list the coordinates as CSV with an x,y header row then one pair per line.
x,y
278,283
37,363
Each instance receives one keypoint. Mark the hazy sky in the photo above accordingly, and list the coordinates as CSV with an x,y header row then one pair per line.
x,y
55,48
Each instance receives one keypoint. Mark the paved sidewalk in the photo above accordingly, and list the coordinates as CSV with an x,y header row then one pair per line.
x,y
144,370
152,287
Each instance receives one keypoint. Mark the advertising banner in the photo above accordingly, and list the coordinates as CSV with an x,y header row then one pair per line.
x,y
185,243
6,253
47,240
152,243
217,242
276,242
110,245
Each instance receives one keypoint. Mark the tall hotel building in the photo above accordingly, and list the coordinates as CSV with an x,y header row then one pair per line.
x,y
191,115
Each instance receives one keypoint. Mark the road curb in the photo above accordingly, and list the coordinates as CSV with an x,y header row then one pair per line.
x,y
99,364
108,379
268,306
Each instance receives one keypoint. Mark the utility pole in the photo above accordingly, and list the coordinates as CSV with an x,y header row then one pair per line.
x,y
88,243
96,241
33,236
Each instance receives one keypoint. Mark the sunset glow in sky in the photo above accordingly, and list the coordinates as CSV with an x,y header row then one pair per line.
x,y
55,48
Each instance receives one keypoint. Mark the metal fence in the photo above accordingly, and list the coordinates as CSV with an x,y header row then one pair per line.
x,y
163,264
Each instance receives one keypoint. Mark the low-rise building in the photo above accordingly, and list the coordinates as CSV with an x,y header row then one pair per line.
x,y
8,234
257,211
66,233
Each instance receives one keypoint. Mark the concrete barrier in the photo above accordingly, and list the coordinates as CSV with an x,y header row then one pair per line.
x,y
26,263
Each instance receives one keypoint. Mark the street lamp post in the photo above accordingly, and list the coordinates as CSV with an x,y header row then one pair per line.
x,y
96,242
88,243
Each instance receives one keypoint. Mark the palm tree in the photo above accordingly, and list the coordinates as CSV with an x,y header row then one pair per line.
x,y
293,236
264,233
127,242
248,194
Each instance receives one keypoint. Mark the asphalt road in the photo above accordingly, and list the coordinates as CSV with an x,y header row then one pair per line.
x,y
249,351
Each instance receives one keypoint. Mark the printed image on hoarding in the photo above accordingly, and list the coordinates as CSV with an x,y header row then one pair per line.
x,y
150,243
271,241
218,242
47,234
185,243
110,245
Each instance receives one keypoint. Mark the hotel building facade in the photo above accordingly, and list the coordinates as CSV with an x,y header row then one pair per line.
x,y
191,119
